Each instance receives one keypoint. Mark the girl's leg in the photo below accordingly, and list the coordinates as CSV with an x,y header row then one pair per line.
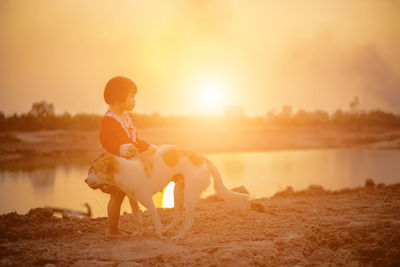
x,y
113,210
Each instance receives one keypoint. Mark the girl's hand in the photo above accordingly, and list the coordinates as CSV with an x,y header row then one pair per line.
x,y
132,151
128,150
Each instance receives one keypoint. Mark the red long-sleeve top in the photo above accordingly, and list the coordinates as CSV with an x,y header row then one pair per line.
x,y
115,132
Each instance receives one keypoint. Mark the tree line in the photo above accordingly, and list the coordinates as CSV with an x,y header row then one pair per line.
x,y
42,117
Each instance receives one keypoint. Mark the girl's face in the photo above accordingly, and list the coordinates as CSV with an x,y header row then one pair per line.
x,y
130,101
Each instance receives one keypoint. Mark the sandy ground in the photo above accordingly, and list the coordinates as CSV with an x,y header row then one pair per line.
x,y
351,227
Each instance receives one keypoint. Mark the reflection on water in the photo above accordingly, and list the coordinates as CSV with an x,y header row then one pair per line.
x,y
262,173
265,173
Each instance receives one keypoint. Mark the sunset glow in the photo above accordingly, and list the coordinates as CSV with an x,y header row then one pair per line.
x,y
202,55
275,125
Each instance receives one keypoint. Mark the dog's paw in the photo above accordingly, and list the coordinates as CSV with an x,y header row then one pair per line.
x,y
162,237
177,237
138,233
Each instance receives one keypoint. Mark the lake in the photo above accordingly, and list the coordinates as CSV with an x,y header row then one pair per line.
x,y
262,173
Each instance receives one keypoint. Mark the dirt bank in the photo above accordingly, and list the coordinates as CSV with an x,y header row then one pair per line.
x,y
351,227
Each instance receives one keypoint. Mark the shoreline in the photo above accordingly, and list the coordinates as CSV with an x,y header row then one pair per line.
x,y
49,145
16,161
352,227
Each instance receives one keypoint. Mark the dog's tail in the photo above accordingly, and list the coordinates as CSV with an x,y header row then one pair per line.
x,y
220,188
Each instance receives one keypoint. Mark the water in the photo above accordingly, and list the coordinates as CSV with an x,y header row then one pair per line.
x,y
262,173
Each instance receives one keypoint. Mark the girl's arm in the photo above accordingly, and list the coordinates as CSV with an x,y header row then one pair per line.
x,y
112,136
140,144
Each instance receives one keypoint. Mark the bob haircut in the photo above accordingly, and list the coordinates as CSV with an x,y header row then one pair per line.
x,y
117,90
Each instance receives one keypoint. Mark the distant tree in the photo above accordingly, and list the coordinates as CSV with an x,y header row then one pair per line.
x,y
285,116
320,116
286,111
42,109
302,117
353,104
270,115
338,116
2,121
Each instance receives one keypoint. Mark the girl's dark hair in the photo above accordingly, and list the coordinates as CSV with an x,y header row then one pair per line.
x,y
117,89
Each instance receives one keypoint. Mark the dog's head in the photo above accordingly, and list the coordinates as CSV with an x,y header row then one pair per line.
x,y
103,171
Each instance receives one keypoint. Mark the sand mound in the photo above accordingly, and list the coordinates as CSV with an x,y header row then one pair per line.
x,y
352,227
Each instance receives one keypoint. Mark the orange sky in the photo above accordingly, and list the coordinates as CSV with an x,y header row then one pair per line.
x,y
194,57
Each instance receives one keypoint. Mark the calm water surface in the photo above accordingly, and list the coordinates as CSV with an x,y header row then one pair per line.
x,y
262,173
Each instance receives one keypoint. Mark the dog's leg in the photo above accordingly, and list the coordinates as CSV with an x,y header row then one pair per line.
x,y
178,203
190,204
192,193
136,213
193,189
149,204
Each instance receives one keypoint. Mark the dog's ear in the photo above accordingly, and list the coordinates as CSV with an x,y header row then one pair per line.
x,y
112,165
100,165
106,164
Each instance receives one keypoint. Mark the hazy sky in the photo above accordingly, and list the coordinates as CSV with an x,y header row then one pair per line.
x,y
191,57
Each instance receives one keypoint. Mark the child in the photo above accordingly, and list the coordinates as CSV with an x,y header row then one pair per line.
x,y
118,136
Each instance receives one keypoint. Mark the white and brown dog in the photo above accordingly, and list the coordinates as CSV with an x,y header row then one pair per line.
x,y
149,172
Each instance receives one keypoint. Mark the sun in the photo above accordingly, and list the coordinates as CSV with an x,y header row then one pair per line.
x,y
211,97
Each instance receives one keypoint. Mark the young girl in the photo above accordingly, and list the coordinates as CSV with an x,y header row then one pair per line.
x,y
118,136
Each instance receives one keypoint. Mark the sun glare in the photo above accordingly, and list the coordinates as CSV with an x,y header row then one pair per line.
x,y
211,97
168,196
